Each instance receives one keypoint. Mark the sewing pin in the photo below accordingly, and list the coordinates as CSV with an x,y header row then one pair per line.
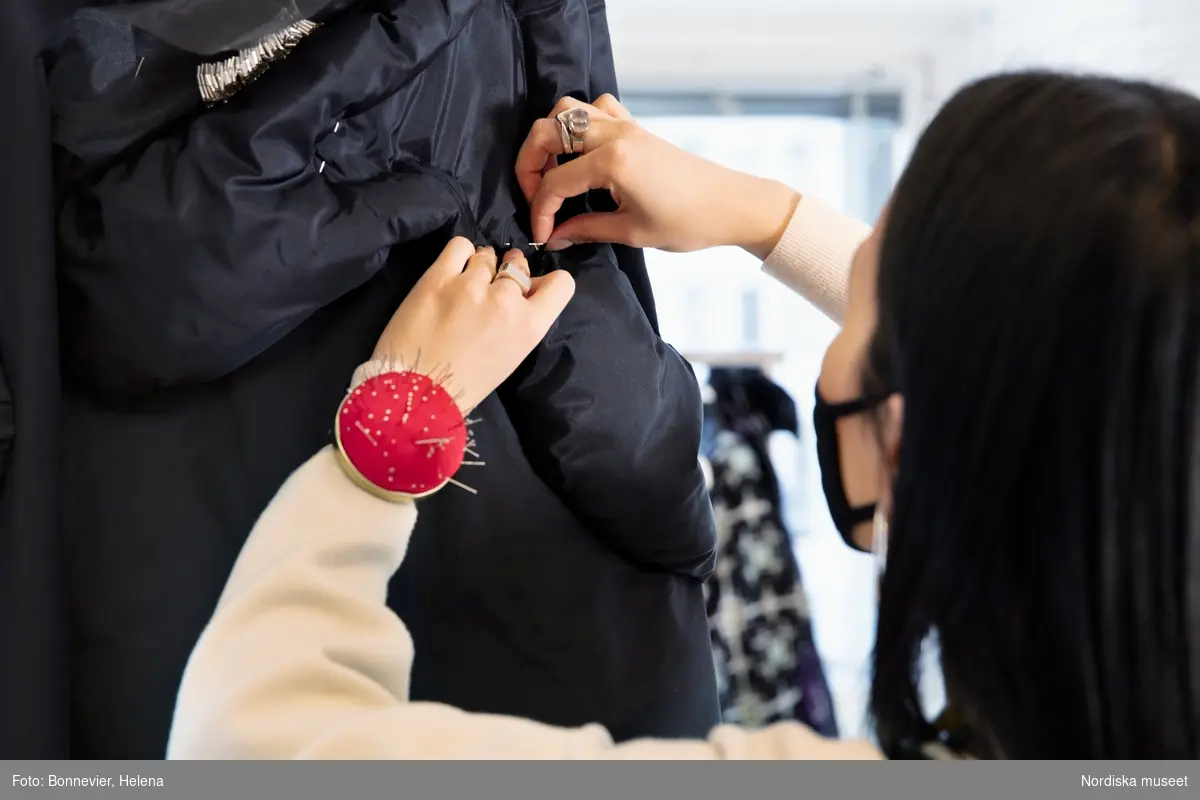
x,y
462,486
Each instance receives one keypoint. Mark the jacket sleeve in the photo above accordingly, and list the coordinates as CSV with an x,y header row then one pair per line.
x,y
610,417
193,253
303,659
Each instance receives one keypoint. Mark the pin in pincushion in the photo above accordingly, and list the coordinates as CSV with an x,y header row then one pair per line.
x,y
400,435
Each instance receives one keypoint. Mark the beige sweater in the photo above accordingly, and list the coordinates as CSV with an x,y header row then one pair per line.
x,y
303,659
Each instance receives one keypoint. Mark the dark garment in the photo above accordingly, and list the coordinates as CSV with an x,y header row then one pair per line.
x,y
224,276
33,678
747,398
768,668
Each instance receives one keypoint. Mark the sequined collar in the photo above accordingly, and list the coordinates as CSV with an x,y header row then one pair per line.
x,y
219,80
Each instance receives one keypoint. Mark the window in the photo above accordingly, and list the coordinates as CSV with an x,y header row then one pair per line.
x,y
839,148
749,319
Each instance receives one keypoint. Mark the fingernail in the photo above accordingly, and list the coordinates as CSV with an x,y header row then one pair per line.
x,y
555,245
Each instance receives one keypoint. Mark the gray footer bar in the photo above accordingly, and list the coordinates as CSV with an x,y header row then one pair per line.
x,y
801,780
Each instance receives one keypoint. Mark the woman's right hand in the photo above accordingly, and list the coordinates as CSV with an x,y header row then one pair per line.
x,y
468,326
668,199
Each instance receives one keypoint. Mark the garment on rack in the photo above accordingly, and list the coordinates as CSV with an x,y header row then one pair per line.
x,y
768,669
224,269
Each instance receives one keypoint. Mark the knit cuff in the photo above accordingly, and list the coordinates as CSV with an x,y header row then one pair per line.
x,y
813,256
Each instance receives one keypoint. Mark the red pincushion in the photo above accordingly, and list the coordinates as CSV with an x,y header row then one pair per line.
x,y
402,432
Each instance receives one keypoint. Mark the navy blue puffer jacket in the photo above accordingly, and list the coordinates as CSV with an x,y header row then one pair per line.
x,y
221,276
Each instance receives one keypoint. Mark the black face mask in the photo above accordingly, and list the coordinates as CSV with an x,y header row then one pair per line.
x,y
825,417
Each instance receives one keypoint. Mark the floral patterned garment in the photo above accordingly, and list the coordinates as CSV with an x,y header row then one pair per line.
x,y
768,669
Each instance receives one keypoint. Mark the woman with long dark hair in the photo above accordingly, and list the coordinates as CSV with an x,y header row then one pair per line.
x,y
1008,418
1038,298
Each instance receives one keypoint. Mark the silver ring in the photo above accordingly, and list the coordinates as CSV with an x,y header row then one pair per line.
x,y
573,124
515,273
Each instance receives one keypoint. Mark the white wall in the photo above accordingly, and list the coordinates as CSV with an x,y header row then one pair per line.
x,y
1154,39
923,48
779,44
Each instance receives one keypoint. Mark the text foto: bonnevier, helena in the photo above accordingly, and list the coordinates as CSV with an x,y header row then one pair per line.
x,y
88,781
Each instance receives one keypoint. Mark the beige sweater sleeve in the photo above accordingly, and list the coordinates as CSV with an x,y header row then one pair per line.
x,y
813,256
303,659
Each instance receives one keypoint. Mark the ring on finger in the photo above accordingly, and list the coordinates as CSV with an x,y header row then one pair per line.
x,y
514,273
573,124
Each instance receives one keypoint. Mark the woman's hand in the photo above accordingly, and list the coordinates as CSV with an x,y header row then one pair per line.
x,y
669,199
468,329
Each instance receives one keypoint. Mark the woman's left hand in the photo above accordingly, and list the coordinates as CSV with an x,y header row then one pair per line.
x,y
467,328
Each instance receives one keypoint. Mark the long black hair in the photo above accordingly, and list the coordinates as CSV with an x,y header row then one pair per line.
x,y
1039,310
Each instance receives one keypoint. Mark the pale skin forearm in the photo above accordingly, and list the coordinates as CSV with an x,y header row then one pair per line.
x,y
760,213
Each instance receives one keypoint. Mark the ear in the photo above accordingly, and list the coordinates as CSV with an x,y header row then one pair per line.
x,y
893,424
